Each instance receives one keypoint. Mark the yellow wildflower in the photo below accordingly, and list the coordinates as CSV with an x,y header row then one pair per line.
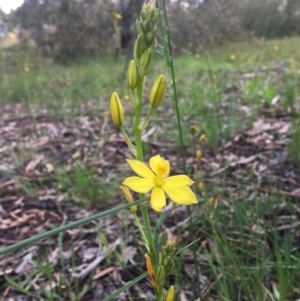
x,y
276,48
157,180
232,57
197,55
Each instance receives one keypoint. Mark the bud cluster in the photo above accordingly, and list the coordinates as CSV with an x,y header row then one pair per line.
x,y
145,42
165,266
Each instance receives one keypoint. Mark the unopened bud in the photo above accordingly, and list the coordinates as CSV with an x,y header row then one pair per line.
x,y
161,275
201,186
193,130
144,62
170,294
202,138
198,154
150,270
128,197
169,264
157,91
171,247
116,109
148,9
132,76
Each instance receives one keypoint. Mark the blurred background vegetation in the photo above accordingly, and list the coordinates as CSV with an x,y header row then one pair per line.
x,y
67,30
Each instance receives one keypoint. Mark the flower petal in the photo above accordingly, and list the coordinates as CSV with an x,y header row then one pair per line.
x,y
138,184
158,199
157,164
182,180
141,169
181,195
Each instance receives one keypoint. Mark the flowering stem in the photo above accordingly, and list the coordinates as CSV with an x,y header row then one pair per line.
x,y
129,144
140,157
140,228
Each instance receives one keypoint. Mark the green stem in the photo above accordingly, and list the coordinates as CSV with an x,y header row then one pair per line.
x,y
144,125
140,157
140,228
159,292
128,142
138,113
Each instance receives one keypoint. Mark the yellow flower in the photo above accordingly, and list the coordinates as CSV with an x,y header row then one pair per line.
x,y
197,55
155,179
276,48
232,57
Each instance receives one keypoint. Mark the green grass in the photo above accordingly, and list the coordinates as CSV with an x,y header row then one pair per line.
x,y
243,252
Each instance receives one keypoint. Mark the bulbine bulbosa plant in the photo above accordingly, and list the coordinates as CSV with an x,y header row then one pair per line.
x,y
155,177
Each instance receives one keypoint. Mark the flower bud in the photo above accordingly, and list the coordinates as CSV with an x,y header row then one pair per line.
x,y
128,197
202,138
161,275
148,9
201,186
169,264
193,130
171,247
170,294
198,154
150,270
157,91
144,62
132,76
116,109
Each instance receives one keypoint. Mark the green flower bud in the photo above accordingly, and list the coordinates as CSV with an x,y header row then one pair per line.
x,y
170,294
161,275
150,37
169,263
157,91
132,76
193,130
116,109
148,9
171,247
144,62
